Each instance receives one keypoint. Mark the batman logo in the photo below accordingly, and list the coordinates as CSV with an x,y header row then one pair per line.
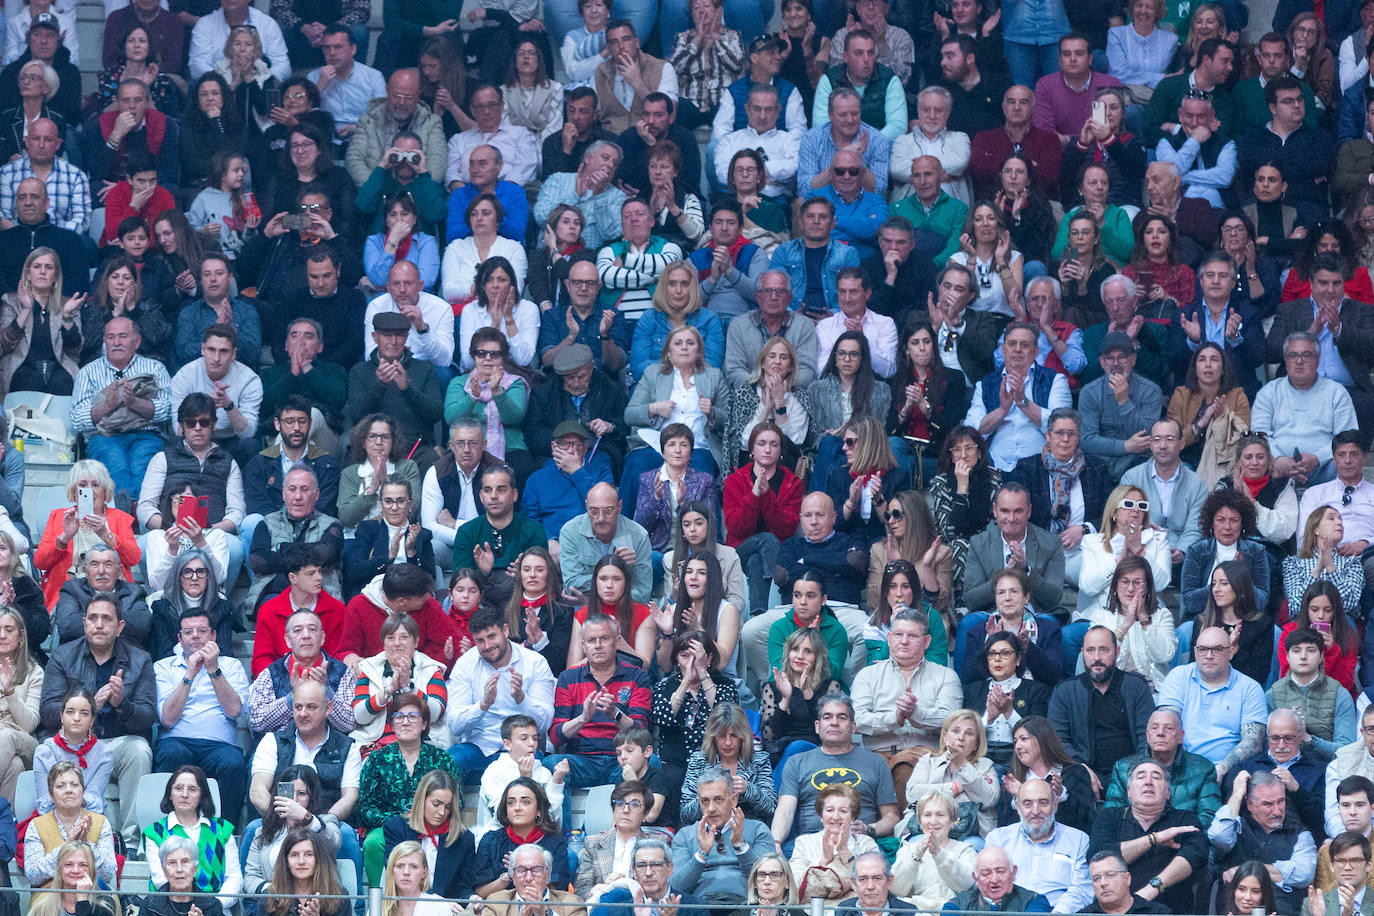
x,y
835,776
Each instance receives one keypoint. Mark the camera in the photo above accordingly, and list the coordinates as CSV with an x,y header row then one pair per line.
x,y
408,155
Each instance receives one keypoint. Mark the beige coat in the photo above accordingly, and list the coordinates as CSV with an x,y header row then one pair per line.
x,y
15,337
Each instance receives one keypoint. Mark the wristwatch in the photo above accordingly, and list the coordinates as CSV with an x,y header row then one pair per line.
x,y
1157,883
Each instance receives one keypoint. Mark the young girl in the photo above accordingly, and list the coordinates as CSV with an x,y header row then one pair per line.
x,y
225,211
75,742
465,589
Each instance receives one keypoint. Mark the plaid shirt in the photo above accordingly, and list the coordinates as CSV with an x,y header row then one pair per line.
x,y
69,192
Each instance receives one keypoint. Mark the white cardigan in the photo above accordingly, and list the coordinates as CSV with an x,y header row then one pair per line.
x,y
932,880
1095,575
1148,651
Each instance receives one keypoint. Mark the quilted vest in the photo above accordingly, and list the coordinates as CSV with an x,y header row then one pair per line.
x,y
281,678
213,478
1041,380
739,92
873,97
329,761
1316,703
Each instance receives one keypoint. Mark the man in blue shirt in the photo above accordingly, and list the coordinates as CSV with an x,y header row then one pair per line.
x,y
557,492
484,177
858,213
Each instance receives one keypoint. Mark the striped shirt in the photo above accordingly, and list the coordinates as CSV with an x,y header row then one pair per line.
x,y
630,286
95,377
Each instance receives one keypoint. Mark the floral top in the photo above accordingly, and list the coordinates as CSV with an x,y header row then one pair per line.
x,y
386,787
166,97
703,77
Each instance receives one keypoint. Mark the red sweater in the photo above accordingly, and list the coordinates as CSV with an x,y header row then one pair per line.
x,y
362,631
1339,665
118,208
269,638
777,510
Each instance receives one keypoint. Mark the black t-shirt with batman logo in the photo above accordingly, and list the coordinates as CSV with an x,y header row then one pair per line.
x,y
804,775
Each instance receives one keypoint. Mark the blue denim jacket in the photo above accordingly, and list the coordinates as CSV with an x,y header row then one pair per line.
x,y
1034,22
790,257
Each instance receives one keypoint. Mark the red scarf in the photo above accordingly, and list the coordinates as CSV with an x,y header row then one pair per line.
x,y
437,833
1254,486
572,249
733,250
534,836
403,249
80,752
533,602
294,667
154,124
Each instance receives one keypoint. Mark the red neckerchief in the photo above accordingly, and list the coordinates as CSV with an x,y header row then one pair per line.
x,y
572,249
806,626
294,667
1254,486
80,752
534,836
437,833
533,602
733,249
403,249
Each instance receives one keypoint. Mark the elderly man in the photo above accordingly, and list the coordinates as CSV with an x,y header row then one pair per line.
x,y
773,318
837,760
1303,774
713,858
1060,345
583,394
1012,541
817,546
495,539
1164,846
728,264
386,118
591,189
447,502
1199,149
69,191
937,216
562,151
1302,411
298,521
1354,759
121,403
1174,491
269,699
995,889
199,697
1120,297
34,228
1192,778
486,166
1326,711
627,76
529,875
136,129
1101,714
120,675
300,369
1343,327
430,335
657,124
852,293
1112,880
901,277
858,213
1011,408
602,529
650,873
557,492
496,678
880,90
211,34
1051,858
1194,217
990,148
577,316
1264,831
102,577
1222,711
814,261
872,877
346,84
1119,408
518,148
781,148
931,136
393,380
843,129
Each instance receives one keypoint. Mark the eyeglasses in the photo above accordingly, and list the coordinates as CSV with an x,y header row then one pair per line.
x,y
395,500
199,422
1001,654
849,172
194,631
196,572
1300,355
1281,738
528,871
768,875
406,717
1142,504
651,866
894,514
1210,650
1132,582
580,284
379,437
297,95
303,147
1347,496
629,804
1348,862
848,354
486,354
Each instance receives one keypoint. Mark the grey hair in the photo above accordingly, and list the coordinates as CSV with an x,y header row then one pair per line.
x,y
1170,167
1131,289
834,696
715,774
596,145
1260,779
1304,336
916,615
1284,712
780,273
1065,413
51,80
874,856
302,469
102,547
466,423
547,856
763,89
177,844
941,91
652,842
1054,284
1170,710
843,92
319,330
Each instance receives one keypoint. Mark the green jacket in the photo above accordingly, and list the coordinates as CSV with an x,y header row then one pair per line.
x,y
1118,238
1192,785
381,186
832,631
1249,109
510,404
945,218
1163,107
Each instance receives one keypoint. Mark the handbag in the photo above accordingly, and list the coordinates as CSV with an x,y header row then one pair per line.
x,y
35,423
123,419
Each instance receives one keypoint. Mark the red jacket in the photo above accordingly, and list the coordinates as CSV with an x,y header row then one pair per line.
x,y
1340,666
53,563
118,208
362,630
778,510
269,638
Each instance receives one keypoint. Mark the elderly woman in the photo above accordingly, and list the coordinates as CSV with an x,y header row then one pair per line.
x,y
495,393
42,339
391,774
400,669
498,304
178,859
772,889
68,818
463,257
1145,636
707,57
677,303
436,823
39,97
401,240
190,811
931,867
377,455
244,67
1005,695
960,767
138,59
67,536
678,213
824,859
1126,530
1165,840
1228,529
728,741
299,811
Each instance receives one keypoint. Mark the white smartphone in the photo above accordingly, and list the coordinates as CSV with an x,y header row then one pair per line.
x,y
1100,111
85,502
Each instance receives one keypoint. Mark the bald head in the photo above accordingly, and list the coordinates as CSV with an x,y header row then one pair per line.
x,y
993,873
603,511
31,201
817,516
403,94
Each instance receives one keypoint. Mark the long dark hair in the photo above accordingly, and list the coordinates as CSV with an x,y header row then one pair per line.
x,y
324,162
1228,369
882,614
861,395
1342,633
514,614
1246,607
272,822
623,613
1260,872
906,372
323,883
189,249
1052,750
711,601
542,819
490,266
231,119
1307,249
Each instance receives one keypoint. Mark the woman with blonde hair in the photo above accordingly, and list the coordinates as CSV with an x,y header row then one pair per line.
x,y
677,303
43,341
1126,531
932,867
405,884
825,858
67,536
435,823
244,67
1318,561
728,742
770,395
869,479
772,889
788,702
911,535
961,768
74,880
21,685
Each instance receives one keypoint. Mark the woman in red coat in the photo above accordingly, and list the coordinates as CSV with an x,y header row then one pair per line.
x,y
762,508
1322,611
68,535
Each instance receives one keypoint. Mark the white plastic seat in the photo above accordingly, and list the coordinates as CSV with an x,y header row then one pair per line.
x,y
148,798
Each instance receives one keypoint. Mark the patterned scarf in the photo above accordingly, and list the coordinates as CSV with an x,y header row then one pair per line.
x,y
1028,632
80,752
1063,475
496,432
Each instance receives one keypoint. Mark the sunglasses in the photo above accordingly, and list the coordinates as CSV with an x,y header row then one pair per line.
x,y
895,513
847,171
1348,496
487,354
1142,504
198,422
850,441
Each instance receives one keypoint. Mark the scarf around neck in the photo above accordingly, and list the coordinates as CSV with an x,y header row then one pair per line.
x,y
1063,475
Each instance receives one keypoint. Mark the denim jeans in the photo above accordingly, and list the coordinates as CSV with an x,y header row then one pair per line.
x,y
471,761
125,456
1027,63
758,554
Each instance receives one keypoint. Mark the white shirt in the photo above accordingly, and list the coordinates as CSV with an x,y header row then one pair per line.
x,y
949,353
434,346
880,330
523,345
466,720
953,148
781,150
687,409
519,152
432,503
999,729
1016,437
211,32
265,759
